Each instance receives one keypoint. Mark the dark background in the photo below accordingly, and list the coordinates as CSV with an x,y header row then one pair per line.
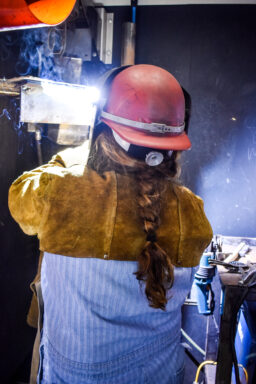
x,y
211,50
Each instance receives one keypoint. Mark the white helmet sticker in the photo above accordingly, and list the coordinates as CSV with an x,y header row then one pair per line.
x,y
123,143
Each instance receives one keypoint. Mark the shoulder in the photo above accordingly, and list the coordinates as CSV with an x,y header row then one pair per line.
x,y
191,211
195,229
185,195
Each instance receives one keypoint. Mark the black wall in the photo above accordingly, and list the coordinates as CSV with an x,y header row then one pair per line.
x,y
18,252
211,50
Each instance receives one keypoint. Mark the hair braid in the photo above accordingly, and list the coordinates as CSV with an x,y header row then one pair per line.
x,y
154,266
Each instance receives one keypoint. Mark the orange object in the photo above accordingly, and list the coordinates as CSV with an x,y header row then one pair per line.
x,y
24,13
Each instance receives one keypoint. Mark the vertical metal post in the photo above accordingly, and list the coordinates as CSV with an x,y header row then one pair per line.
x,y
234,297
211,348
128,44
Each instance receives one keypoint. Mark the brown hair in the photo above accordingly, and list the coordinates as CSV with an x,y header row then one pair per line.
x,y
154,265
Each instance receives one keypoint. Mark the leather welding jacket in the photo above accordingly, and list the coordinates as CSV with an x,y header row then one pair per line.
x,y
76,212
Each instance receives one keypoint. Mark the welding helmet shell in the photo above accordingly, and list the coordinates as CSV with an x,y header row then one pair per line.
x,y
146,107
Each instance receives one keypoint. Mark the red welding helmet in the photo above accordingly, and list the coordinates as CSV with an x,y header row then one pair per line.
x,y
146,107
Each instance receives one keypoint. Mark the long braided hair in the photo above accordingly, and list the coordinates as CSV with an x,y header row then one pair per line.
x,y
154,265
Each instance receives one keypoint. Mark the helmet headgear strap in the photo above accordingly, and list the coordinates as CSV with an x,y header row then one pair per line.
x,y
151,127
152,158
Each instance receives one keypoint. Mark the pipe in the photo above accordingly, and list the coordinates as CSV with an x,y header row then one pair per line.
x,y
128,44
38,137
9,93
191,341
16,14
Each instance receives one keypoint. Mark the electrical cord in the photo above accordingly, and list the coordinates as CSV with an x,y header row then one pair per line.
x,y
211,362
191,341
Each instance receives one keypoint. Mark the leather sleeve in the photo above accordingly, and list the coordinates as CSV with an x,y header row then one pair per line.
x,y
29,194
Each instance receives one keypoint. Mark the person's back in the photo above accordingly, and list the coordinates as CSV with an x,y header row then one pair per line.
x,y
113,327
120,238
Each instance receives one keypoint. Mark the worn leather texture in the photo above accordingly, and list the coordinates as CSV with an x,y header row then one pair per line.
x,y
76,212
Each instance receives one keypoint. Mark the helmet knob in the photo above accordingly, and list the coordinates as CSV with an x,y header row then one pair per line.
x,y
154,158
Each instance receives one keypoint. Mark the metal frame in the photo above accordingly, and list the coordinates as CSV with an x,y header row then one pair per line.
x,y
108,3
222,349
105,35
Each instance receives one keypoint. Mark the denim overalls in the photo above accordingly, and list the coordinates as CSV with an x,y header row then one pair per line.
x,y
99,328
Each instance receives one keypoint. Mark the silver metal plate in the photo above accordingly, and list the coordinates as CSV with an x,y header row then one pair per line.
x,y
57,103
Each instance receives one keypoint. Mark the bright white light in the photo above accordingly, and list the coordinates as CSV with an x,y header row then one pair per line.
x,y
94,94
78,101
68,92
233,118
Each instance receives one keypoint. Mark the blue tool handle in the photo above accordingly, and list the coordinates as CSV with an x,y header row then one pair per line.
x,y
202,297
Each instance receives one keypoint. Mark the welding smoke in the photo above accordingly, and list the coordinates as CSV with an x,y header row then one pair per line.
x,y
28,60
37,50
6,114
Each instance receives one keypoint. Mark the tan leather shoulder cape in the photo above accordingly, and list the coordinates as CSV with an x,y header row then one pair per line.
x,y
76,212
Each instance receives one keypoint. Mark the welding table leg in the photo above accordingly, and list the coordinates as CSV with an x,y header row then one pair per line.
x,y
211,348
234,297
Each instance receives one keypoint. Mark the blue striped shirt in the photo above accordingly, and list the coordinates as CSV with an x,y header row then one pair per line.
x,y
97,316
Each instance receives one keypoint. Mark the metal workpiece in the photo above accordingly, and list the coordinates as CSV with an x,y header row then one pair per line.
x,y
49,102
67,109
